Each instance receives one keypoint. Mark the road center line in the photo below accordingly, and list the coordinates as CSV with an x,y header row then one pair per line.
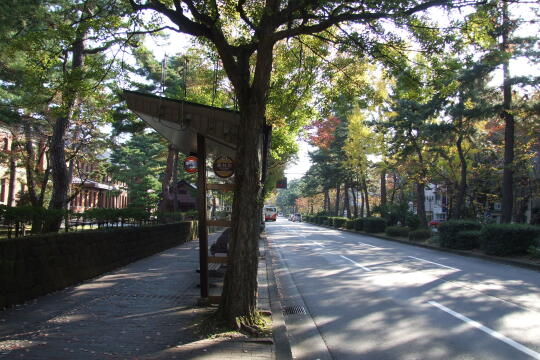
x,y
431,262
355,263
487,330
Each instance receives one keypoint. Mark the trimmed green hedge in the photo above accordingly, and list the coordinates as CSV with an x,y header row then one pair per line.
x,y
508,239
339,222
359,224
350,224
448,231
467,239
402,231
36,265
421,234
374,224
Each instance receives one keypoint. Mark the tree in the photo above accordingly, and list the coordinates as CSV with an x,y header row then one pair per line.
x,y
244,35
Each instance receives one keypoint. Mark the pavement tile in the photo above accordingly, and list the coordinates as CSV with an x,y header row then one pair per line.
x,y
143,310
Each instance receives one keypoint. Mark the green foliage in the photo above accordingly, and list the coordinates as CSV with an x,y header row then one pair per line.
x,y
359,224
339,222
467,240
350,224
412,221
534,249
374,224
417,235
402,231
448,231
508,239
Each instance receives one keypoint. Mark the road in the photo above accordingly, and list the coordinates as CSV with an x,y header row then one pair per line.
x,y
351,296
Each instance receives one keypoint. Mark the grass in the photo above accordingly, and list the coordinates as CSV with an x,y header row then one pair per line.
x,y
211,326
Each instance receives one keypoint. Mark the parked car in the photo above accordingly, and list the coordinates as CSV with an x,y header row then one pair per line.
x,y
297,217
270,213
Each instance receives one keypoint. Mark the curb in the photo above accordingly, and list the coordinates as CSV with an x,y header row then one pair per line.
x,y
534,267
282,345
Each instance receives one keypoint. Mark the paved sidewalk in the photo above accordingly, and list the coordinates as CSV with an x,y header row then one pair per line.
x,y
143,310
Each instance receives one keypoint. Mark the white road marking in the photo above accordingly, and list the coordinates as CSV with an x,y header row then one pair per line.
x,y
487,330
355,263
316,243
431,262
367,244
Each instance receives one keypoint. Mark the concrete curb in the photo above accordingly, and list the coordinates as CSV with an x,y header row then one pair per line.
x,y
535,267
282,346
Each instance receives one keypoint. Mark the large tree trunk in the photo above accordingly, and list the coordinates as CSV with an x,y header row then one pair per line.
x,y
421,204
238,304
362,202
326,207
366,196
462,189
508,170
59,168
12,175
355,202
383,187
338,193
165,204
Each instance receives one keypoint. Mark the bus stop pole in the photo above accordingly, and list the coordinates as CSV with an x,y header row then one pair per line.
x,y
201,205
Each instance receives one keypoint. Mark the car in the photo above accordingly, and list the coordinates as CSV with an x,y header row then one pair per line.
x,y
297,217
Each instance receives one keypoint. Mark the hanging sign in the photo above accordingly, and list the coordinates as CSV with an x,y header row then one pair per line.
x,y
223,167
190,164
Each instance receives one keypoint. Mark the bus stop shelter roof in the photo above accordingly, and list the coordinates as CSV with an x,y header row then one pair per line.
x,y
180,121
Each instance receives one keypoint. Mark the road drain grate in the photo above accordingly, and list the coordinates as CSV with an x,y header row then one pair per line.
x,y
294,310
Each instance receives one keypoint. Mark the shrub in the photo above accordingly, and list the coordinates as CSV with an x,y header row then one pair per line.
x,y
448,232
397,231
374,224
359,224
508,239
412,221
466,240
421,234
339,222
349,224
534,249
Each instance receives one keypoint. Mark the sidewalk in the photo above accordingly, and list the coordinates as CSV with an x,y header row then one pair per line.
x,y
143,310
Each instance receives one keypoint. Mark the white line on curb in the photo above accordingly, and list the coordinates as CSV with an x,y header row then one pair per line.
x,y
355,263
431,262
487,330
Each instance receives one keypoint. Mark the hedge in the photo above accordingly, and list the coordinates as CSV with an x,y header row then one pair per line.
x,y
397,231
421,234
350,224
36,265
448,232
467,239
359,224
508,239
374,224
339,222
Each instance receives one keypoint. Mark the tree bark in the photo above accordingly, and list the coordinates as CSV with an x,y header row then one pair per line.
x,y
326,207
508,170
383,187
355,202
421,204
12,175
165,204
366,196
338,193
59,168
462,189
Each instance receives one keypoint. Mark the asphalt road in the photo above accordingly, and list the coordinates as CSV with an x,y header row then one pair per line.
x,y
350,296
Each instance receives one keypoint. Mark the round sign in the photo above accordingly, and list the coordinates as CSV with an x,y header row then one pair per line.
x,y
223,167
190,164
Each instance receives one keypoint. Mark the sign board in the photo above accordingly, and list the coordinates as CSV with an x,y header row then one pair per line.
x,y
190,164
223,167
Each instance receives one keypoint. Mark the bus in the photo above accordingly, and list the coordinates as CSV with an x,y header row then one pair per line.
x,y
270,213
